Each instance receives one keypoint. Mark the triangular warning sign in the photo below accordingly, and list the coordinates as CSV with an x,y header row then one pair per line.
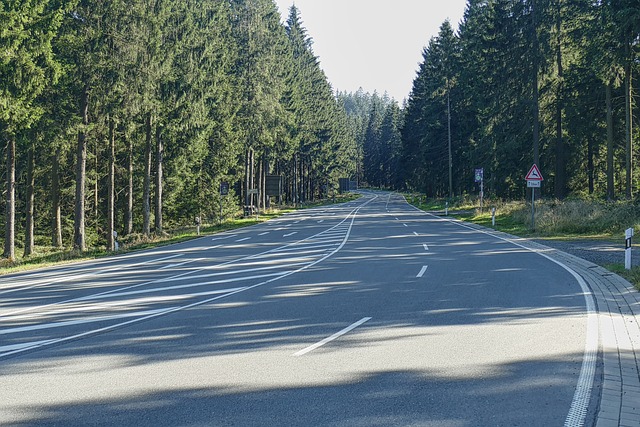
x,y
534,174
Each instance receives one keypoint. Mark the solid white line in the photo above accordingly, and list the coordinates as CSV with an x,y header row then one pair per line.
x,y
352,214
422,271
582,395
15,347
43,326
332,337
224,238
49,281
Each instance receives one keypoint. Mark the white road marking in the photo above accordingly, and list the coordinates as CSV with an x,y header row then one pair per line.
x,y
425,246
180,264
77,322
35,284
422,271
40,344
416,233
405,224
223,238
290,234
18,347
582,395
321,221
332,337
262,234
244,239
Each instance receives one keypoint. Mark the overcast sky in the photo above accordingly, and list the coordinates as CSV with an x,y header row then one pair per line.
x,y
373,44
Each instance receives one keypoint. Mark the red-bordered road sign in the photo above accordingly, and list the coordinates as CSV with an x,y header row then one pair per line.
x,y
534,174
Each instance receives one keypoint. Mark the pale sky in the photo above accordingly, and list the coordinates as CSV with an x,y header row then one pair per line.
x,y
373,44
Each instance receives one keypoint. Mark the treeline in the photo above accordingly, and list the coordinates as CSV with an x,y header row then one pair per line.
x,y
524,81
375,122
128,115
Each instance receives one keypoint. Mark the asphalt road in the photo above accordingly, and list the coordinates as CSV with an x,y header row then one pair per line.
x,y
369,313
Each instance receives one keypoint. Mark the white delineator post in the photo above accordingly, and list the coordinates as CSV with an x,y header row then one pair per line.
x,y
627,248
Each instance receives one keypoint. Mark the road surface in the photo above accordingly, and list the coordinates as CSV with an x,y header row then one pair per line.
x,y
360,314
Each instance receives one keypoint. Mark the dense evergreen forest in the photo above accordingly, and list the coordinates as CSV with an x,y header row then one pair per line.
x,y
128,115
524,81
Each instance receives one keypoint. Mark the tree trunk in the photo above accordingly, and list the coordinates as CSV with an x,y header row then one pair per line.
x,y
111,238
81,167
561,159
10,209
129,214
610,147
246,177
56,235
628,129
158,198
536,93
29,227
590,165
146,196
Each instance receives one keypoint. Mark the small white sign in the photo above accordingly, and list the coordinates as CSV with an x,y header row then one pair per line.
x,y
534,184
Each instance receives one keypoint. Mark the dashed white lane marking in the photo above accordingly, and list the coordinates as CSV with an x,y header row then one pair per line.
x,y
425,246
582,395
332,337
416,233
262,234
290,234
321,221
244,239
405,224
422,271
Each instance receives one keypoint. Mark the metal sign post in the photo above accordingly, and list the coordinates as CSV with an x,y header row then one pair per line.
x,y
534,180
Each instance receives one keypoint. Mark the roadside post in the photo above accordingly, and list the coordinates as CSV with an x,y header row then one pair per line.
x,y
493,217
446,208
479,179
534,180
628,234
198,225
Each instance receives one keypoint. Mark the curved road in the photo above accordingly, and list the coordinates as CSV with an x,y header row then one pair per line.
x,y
360,314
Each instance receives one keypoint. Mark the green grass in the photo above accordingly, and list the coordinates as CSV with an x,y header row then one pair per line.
x,y
48,256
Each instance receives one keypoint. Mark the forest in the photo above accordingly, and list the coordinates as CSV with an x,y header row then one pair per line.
x,y
131,116
549,82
